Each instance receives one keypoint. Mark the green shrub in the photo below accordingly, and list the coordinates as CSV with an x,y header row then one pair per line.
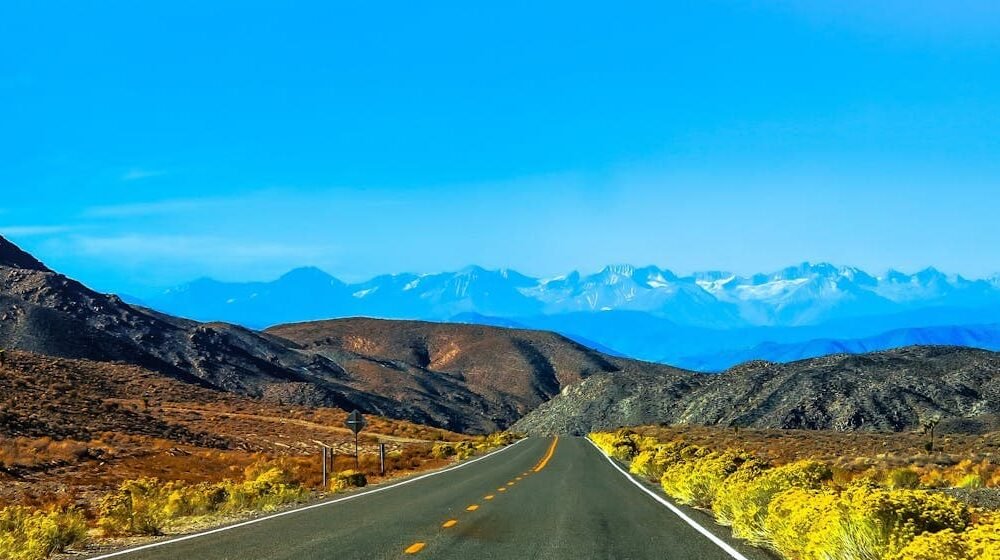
x,y
970,481
902,478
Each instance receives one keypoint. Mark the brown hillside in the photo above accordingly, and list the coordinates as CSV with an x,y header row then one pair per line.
x,y
500,374
86,426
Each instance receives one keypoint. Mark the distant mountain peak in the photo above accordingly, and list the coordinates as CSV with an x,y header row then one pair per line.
x,y
309,274
930,274
614,271
13,257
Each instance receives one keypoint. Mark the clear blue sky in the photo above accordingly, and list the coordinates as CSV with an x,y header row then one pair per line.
x,y
149,143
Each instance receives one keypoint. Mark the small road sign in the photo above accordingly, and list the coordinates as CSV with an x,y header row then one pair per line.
x,y
356,422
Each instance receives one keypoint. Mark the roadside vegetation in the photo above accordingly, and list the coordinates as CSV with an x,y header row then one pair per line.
x,y
98,452
146,507
818,509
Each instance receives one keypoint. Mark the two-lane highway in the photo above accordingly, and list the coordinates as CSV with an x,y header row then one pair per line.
x,y
541,498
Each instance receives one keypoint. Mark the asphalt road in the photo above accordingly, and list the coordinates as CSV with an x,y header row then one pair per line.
x,y
539,499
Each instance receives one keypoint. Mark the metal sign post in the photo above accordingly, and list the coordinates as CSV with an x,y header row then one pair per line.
x,y
356,422
381,458
327,454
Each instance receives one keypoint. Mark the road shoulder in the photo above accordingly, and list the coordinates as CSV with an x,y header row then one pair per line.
x,y
700,520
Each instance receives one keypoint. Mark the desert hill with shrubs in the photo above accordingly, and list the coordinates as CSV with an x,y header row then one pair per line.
x,y
497,374
89,425
894,390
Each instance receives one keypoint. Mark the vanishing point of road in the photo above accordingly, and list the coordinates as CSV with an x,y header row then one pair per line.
x,y
542,498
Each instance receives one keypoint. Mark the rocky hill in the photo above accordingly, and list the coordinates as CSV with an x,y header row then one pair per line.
x,y
472,371
892,390
461,377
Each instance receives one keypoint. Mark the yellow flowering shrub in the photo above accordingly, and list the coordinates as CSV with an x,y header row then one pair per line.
x,y
499,439
147,506
696,482
743,500
136,508
348,479
980,542
877,523
443,450
192,501
653,460
27,534
983,540
795,519
623,445
802,512
943,545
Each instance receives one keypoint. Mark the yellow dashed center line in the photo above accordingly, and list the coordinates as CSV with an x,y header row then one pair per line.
x,y
418,546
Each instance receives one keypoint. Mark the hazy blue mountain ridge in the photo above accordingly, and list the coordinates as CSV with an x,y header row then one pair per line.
x,y
644,312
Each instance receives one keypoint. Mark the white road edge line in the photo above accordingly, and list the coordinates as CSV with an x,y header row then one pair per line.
x,y
301,509
708,534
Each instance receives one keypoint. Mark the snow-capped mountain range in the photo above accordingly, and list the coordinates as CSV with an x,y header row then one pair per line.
x,y
806,294
644,312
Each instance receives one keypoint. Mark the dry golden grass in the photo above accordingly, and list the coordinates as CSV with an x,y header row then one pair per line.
x,y
72,430
848,450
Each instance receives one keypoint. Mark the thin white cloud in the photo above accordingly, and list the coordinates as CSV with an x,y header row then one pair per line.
x,y
192,248
150,208
32,231
136,174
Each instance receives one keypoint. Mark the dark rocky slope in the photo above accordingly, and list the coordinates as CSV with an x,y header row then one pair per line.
x,y
891,390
